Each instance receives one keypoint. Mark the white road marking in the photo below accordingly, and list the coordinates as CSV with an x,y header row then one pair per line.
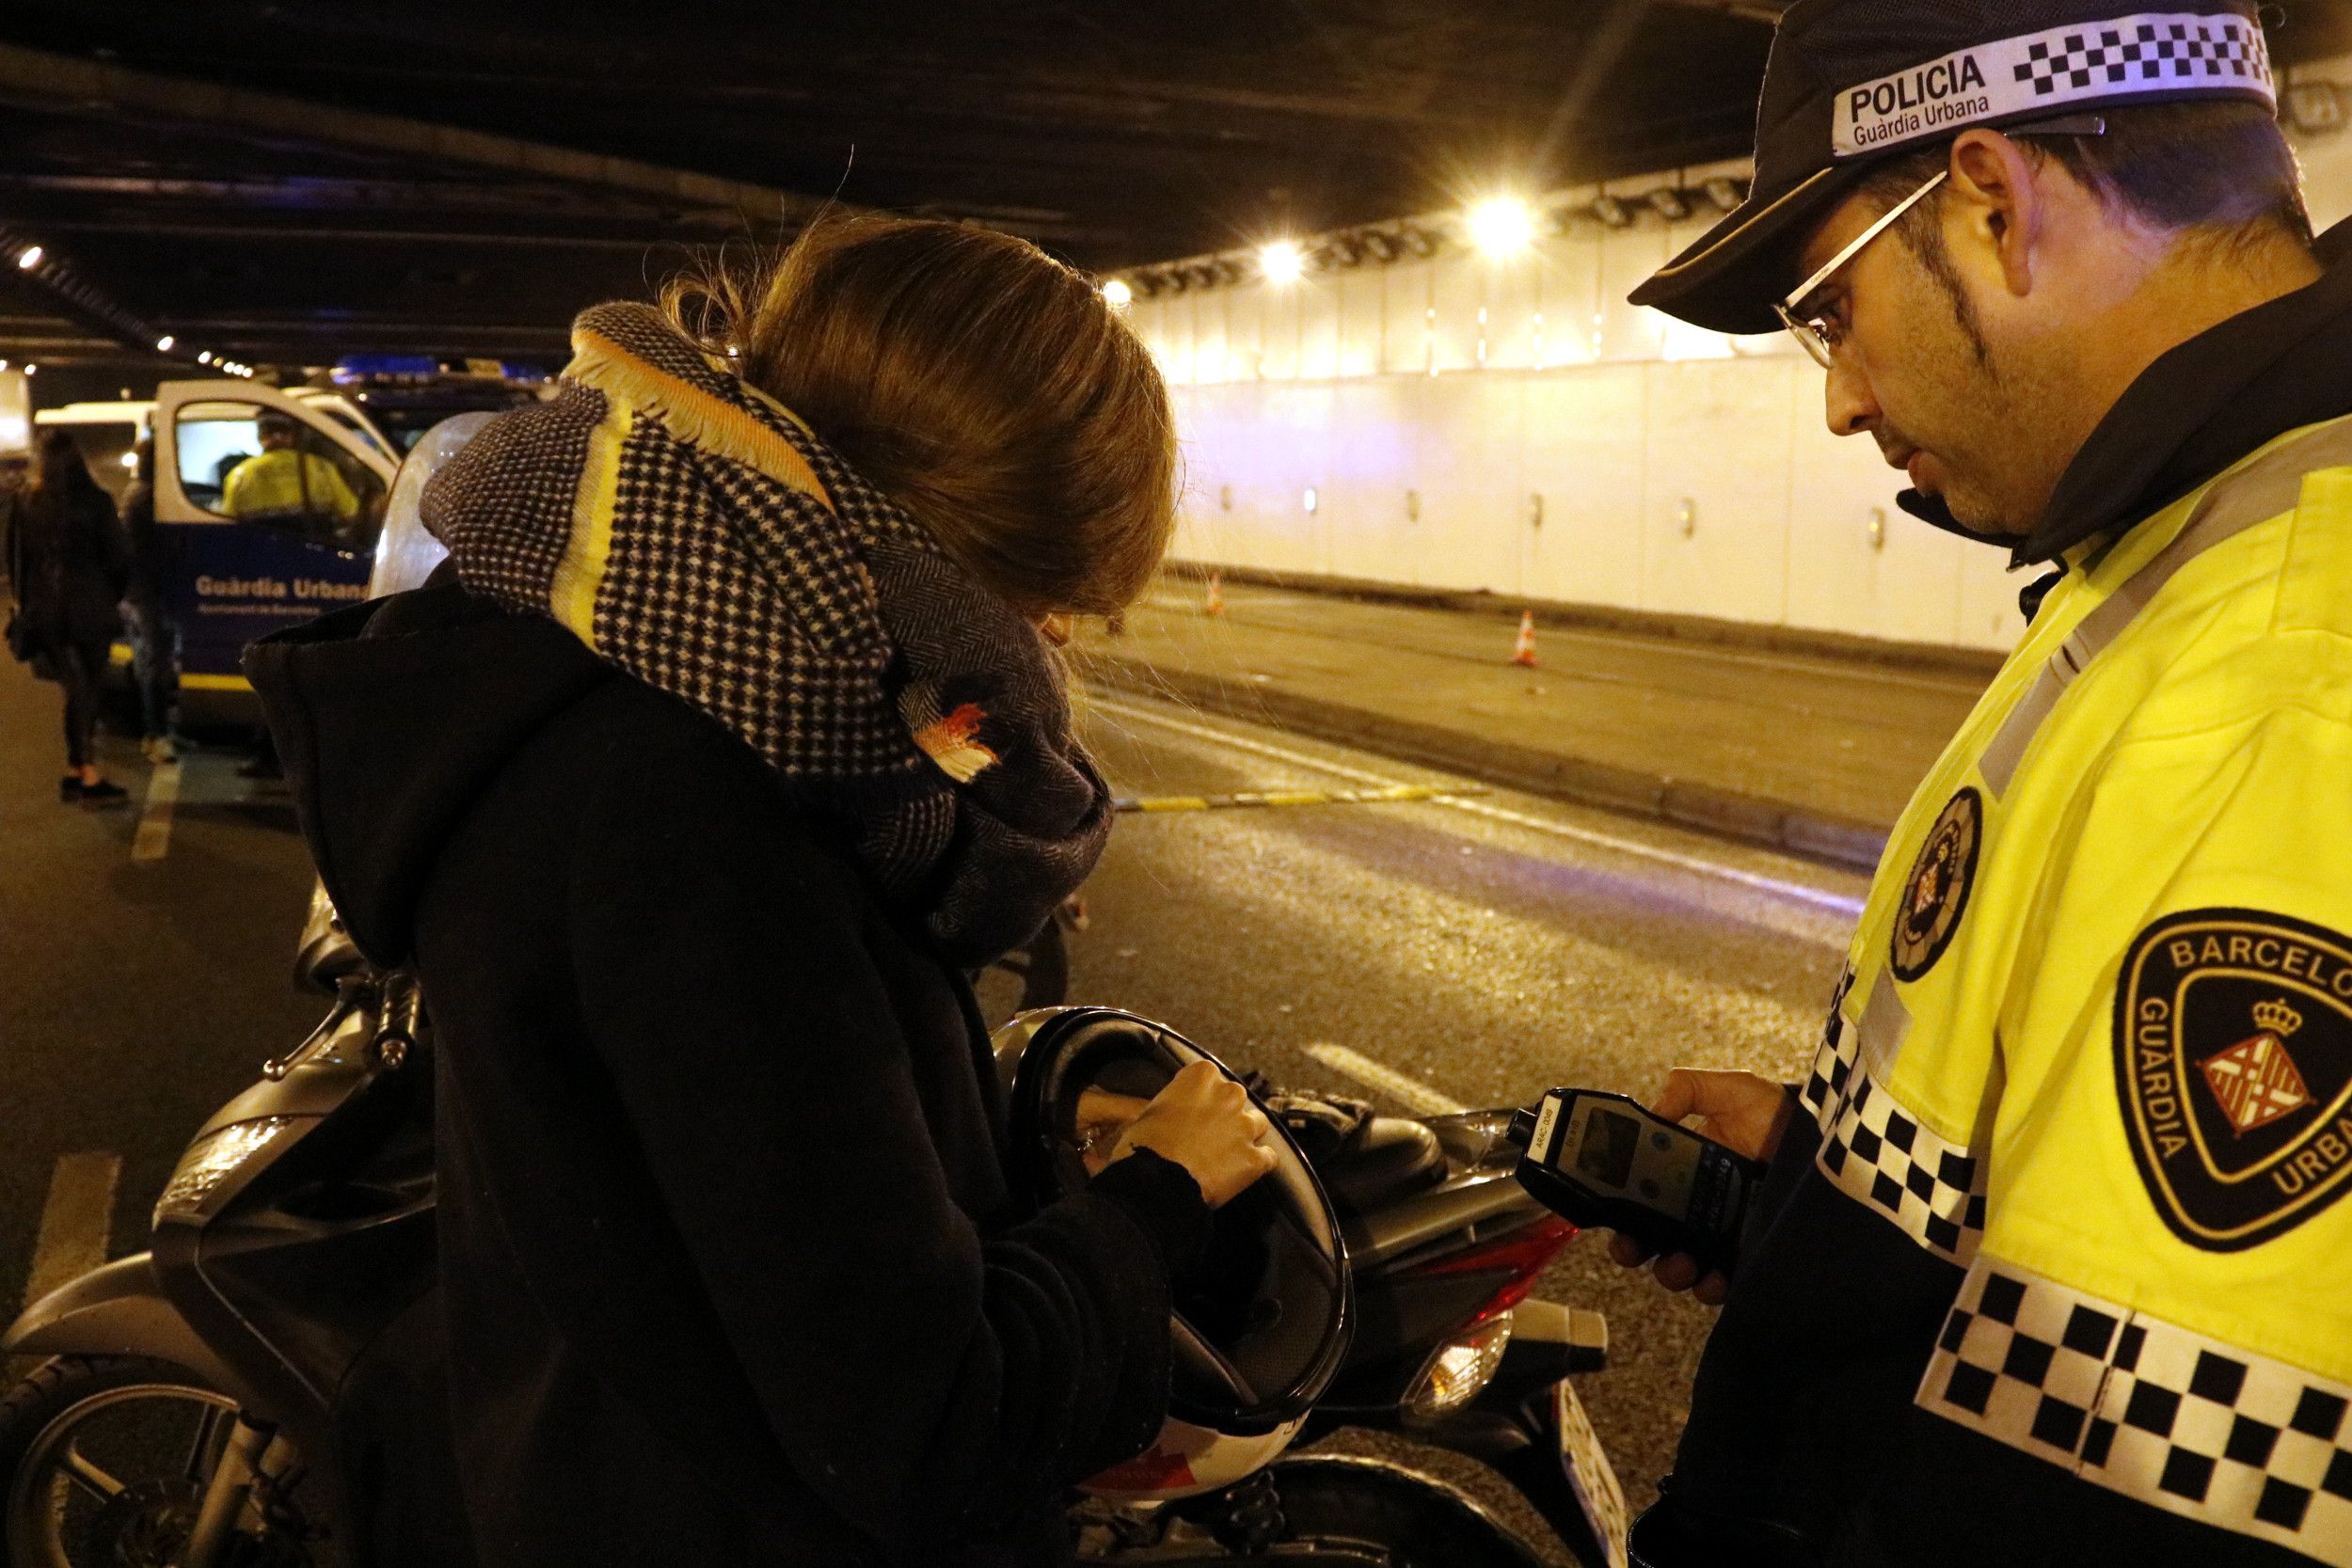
x,y
76,1222
153,842
1821,899
1401,1088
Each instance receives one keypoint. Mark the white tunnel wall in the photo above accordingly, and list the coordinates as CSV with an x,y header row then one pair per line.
x,y
1516,427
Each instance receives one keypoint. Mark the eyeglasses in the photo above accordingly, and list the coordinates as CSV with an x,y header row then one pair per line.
x,y
1820,334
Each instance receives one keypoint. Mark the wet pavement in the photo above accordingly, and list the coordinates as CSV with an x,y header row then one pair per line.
x,y
1483,947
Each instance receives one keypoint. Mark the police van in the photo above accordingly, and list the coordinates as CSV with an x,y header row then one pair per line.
x,y
269,504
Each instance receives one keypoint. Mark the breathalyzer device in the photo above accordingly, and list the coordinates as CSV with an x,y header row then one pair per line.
x,y
1602,1162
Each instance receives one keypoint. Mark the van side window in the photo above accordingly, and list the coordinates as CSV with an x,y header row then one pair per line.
x,y
252,464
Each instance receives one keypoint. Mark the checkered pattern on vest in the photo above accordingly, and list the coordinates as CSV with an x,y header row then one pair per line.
x,y
1881,1155
2172,1417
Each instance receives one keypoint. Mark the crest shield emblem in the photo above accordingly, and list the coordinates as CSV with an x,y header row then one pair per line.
x,y
2233,1062
1937,894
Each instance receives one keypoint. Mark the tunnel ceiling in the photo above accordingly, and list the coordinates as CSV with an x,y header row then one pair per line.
x,y
437,199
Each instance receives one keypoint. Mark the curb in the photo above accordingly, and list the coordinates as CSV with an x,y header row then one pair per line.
x,y
1835,841
1704,631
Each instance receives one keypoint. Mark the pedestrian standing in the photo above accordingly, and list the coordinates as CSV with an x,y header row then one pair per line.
x,y
2053,1264
154,637
69,568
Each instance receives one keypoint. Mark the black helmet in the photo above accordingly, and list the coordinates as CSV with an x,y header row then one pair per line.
x,y
1262,1320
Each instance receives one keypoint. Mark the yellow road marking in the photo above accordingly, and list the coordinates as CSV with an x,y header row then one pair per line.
x,y
1250,799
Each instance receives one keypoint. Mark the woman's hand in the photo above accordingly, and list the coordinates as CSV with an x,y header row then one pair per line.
x,y
1103,1117
1738,1110
1203,1121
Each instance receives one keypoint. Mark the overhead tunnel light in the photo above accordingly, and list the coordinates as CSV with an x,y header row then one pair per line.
x,y
1501,226
204,357
1281,261
30,258
162,344
1117,293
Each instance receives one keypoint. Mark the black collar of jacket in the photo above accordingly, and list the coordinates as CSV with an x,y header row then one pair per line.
x,y
2198,409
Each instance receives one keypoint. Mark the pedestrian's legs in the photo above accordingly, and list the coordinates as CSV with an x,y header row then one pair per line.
x,y
82,671
155,664
79,675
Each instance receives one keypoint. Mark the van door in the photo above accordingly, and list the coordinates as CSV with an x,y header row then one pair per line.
x,y
350,416
266,513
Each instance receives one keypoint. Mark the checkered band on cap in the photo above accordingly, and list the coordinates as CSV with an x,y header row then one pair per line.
x,y
2152,56
2168,50
2147,1408
1883,1156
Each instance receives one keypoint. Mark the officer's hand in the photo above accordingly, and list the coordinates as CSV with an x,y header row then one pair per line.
x,y
1738,1110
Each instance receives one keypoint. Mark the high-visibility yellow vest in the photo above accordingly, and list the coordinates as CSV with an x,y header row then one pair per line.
x,y
287,483
2094,1044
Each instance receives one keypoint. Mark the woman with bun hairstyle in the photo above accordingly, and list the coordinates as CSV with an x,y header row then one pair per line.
x,y
728,736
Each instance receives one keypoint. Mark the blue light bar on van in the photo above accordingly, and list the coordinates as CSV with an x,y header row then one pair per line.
x,y
360,367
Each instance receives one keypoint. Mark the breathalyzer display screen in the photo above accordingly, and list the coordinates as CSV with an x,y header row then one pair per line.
x,y
1614,1153
1607,1154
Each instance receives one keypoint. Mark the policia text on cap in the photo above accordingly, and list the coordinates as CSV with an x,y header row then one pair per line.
x,y
2053,1264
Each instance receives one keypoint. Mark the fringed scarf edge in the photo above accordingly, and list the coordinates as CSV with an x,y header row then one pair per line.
x,y
693,416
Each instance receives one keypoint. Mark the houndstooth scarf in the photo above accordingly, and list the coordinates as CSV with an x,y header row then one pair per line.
x,y
691,532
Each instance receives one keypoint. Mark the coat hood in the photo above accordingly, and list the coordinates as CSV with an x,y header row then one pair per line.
x,y
390,719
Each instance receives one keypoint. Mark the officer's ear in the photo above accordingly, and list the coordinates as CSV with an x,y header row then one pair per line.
x,y
1999,196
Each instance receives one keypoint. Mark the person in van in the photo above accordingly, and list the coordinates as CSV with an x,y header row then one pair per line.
x,y
284,482
68,567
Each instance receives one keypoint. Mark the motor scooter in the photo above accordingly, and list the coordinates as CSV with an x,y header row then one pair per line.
x,y
194,1402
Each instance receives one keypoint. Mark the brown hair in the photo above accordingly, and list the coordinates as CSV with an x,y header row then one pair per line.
x,y
983,385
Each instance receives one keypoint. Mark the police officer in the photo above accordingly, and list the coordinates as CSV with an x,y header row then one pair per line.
x,y
284,482
2055,1261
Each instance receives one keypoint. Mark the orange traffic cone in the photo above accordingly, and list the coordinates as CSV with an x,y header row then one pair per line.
x,y
1215,602
1523,652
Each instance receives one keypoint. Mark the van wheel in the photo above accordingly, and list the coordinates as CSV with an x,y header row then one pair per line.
x,y
104,1460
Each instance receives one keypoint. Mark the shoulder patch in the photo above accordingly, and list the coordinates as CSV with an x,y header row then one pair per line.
x,y
2234,1062
1937,894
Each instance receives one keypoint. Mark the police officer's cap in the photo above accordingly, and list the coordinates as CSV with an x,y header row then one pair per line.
x,y
1852,82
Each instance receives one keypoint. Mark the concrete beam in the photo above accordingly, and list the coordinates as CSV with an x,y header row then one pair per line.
x,y
40,78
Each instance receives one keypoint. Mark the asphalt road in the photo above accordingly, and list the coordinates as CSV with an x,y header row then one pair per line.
x,y
1485,949
1488,950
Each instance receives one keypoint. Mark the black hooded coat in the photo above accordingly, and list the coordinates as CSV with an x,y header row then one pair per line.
x,y
726,1267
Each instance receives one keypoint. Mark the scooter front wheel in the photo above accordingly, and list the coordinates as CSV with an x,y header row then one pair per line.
x,y
109,1460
